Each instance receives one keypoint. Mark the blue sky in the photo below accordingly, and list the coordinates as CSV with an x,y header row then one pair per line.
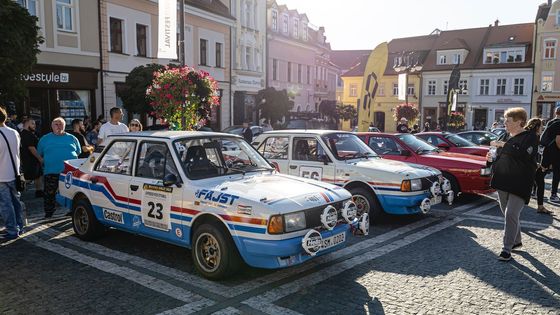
x,y
362,24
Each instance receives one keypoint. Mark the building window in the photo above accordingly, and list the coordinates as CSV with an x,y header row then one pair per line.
x,y
484,86
275,20
141,40
299,73
248,58
442,60
457,59
395,89
65,15
274,69
549,49
248,20
518,86
547,81
219,55
445,87
308,74
203,52
296,28
432,87
289,72
463,86
381,89
501,87
353,90
304,31
116,31
410,89
30,5
285,25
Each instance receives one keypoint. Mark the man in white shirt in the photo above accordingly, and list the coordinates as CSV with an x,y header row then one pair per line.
x,y
112,127
10,206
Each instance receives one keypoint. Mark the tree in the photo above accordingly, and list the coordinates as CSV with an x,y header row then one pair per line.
x,y
328,108
274,105
134,94
346,112
19,42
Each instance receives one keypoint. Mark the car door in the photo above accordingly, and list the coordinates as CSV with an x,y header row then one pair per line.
x,y
275,150
309,159
110,182
153,163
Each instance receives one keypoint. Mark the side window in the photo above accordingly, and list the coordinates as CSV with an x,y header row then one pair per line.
x,y
433,140
307,149
155,161
118,158
384,146
275,148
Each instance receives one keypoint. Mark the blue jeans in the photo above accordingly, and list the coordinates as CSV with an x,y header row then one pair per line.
x,y
10,208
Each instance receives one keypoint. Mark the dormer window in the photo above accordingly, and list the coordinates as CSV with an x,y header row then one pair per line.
x,y
285,24
457,59
304,31
442,60
295,31
504,55
274,20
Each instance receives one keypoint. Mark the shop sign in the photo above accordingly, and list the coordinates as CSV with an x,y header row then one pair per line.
x,y
249,81
47,78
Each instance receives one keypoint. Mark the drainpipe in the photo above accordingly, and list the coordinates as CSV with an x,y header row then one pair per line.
x,y
101,71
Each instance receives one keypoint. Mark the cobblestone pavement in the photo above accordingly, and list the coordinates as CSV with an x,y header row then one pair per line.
x,y
443,262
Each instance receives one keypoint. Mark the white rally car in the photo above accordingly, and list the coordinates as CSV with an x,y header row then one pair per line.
x,y
343,159
210,192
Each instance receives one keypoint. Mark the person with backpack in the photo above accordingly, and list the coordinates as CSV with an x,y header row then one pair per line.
x,y
550,140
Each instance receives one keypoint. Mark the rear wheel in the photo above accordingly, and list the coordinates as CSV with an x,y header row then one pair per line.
x,y
366,202
85,224
214,252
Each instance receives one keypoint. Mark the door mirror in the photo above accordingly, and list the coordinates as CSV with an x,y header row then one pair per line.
x,y
170,179
406,153
443,146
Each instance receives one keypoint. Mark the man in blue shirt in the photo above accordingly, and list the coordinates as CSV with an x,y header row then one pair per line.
x,y
54,148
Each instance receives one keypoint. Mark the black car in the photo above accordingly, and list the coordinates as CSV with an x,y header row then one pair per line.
x,y
499,131
480,137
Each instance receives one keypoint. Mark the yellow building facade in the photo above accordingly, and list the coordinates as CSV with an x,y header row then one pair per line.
x,y
350,96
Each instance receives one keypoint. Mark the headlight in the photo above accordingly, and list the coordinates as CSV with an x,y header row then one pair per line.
x,y
294,221
485,171
416,184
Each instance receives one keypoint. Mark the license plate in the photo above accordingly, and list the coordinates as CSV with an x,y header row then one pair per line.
x,y
435,201
333,240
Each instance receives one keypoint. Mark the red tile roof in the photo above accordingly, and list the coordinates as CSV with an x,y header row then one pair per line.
x,y
346,59
358,69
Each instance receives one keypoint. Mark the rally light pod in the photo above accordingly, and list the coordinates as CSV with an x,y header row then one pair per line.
x,y
435,189
450,197
446,185
329,217
425,206
312,242
364,224
349,211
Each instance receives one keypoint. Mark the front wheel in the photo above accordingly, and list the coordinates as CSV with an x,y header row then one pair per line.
x,y
214,252
366,202
85,224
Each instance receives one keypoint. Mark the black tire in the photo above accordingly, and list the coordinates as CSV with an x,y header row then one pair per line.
x,y
361,194
85,224
454,184
212,240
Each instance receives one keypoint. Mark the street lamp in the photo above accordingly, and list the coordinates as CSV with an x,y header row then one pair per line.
x,y
407,63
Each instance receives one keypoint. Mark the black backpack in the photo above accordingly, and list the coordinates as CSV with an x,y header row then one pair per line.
x,y
547,138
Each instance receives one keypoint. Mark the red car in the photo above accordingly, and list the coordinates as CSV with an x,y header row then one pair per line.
x,y
467,173
452,143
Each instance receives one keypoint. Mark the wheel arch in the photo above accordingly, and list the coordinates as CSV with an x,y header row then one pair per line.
x,y
451,175
356,184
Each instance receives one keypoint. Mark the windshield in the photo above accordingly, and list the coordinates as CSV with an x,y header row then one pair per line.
x,y
416,144
459,141
218,156
345,146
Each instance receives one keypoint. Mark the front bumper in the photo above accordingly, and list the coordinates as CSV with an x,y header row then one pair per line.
x,y
401,205
284,253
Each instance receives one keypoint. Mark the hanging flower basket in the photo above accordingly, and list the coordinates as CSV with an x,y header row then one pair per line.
x,y
456,121
408,111
182,96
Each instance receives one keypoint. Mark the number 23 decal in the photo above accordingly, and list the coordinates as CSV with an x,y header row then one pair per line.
x,y
158,207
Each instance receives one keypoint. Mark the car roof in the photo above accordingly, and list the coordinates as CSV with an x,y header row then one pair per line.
x,y
305,131
172,135
374,133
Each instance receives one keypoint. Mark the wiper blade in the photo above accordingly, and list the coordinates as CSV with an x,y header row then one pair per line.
x,y
358,155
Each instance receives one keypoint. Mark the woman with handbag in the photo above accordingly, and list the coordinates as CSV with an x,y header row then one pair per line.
x,y
10,180
513,176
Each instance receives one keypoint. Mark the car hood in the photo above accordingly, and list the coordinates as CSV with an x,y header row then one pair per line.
x,y
396,167
282,193
474,160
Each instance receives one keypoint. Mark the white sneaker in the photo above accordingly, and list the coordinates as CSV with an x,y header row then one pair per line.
x,y
554,198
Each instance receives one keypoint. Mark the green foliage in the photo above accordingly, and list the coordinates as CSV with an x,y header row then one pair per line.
x,y
328,108
407,111
346,112
19,46
137,81
183,96
274,105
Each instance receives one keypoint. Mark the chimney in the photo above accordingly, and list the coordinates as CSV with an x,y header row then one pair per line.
x,y
497,22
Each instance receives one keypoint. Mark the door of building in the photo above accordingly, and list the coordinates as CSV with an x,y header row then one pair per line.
x,y
480,118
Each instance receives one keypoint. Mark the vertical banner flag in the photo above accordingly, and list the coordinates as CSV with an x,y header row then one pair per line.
x,y
402,87
167,29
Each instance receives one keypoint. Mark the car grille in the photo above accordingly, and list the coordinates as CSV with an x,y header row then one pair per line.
x,y
427,182
313,215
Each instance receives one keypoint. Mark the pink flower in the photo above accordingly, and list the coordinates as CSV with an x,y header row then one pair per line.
x,y
169,96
